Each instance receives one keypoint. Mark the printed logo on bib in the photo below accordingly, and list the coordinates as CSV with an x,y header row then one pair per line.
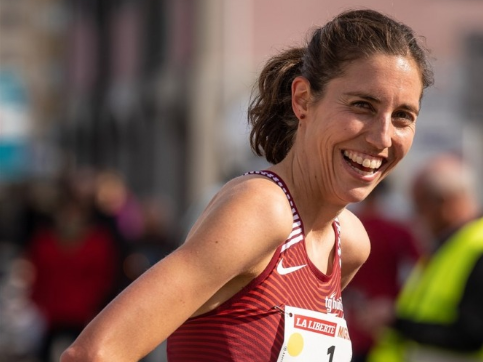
x,y
314,336
315,325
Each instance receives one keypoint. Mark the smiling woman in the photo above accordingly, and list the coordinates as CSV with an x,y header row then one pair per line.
x,y
368,115
260,275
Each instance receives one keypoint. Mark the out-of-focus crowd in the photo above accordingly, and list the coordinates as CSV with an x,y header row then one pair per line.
x,y
67,247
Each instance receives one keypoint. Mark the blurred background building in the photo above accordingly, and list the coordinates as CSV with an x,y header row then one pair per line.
x,y
157,90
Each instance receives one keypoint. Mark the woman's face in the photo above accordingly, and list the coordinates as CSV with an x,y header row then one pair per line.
x,y
363,126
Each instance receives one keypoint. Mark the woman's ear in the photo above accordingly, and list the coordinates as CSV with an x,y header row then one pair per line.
x,y
300,97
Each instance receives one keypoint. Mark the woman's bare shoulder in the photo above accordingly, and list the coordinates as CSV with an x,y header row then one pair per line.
x,y
250,215
255,198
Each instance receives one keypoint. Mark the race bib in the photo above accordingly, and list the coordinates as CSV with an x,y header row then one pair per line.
x,y
314,336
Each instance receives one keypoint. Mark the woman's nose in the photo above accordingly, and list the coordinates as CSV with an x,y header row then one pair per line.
x,y
380,132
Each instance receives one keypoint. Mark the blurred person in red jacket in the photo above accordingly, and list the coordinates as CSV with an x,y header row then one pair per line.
x,y
75,263
369,299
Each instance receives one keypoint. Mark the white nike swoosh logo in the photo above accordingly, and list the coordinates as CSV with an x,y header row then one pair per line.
x,y
284,271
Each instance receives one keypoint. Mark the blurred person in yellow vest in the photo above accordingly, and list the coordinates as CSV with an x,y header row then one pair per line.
x,y
439,315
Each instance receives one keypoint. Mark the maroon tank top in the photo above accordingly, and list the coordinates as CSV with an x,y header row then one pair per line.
x,y
249,327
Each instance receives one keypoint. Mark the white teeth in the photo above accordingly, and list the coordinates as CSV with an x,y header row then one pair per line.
x,y
362,160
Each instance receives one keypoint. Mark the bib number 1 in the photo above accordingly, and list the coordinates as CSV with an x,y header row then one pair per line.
x,y
330,352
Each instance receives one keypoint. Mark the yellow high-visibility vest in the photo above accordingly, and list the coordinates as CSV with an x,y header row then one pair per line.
x,y
434,289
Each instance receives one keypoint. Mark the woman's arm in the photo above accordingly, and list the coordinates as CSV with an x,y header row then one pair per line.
x,y
356,245
234,238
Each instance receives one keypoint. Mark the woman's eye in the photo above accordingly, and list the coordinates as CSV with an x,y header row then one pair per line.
x,y
404,116
362,104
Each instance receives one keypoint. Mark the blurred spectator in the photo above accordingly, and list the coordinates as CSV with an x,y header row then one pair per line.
x,y
24,206
67,246
21,323
369,298
75,262
440,309
155,242
115,200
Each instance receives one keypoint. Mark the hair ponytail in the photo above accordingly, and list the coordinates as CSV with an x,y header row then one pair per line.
x,y
270,112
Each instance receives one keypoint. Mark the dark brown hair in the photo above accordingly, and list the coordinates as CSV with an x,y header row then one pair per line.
x,y
349,36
